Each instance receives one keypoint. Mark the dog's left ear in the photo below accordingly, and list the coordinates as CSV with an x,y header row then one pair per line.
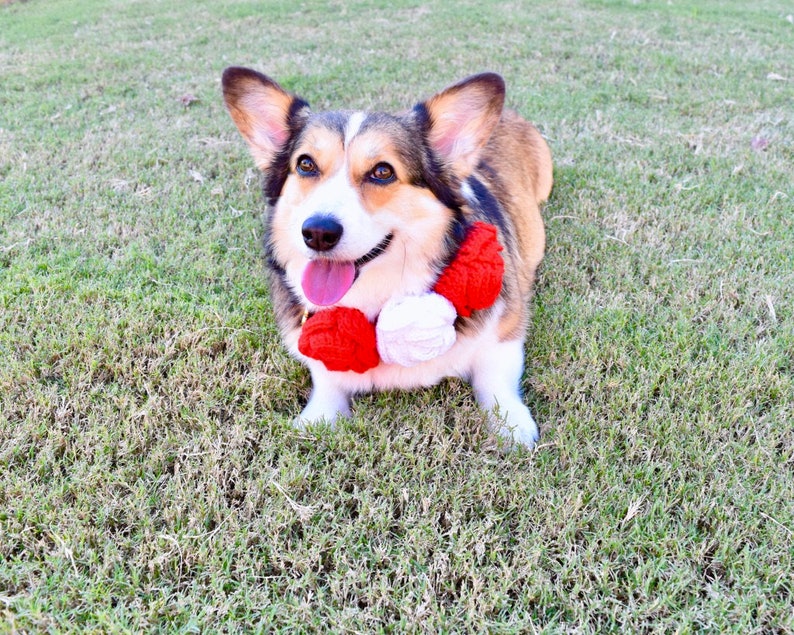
x,y
461,119
262,110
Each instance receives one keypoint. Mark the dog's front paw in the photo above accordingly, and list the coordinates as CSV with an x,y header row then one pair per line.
x,y
516,424
526,432
415,329
323,408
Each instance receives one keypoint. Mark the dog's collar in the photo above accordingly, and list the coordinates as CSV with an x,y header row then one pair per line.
x,y
344,339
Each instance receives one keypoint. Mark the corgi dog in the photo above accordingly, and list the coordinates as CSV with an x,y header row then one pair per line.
x,y
368,211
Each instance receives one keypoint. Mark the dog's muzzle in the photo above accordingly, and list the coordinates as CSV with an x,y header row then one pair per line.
x,y
376,251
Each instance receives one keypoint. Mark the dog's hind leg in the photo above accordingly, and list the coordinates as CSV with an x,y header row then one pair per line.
x,y
496,378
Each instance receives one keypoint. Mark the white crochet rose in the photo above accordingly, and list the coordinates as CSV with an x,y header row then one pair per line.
x,y
415,329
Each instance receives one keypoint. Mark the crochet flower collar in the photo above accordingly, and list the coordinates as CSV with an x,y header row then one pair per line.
x,y
412,329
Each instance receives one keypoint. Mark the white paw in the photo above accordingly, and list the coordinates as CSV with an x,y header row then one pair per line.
x,y
415,329
320,410
517,424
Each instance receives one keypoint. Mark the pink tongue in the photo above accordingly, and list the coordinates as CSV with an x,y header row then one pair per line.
x,y
325,282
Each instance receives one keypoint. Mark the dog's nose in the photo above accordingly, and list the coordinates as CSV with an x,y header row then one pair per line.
x,y
321,232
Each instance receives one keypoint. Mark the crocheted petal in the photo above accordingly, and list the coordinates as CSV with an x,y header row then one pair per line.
x,y
473,280
415,329
341,338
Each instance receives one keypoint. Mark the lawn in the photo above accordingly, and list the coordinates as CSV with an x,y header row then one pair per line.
x,y
149,476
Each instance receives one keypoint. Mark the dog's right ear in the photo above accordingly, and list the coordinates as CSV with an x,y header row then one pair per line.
x,y
262,110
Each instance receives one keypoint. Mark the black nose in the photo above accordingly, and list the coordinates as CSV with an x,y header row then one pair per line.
x,y
321,232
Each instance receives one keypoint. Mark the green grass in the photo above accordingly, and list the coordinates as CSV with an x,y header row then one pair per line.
x,y
149,477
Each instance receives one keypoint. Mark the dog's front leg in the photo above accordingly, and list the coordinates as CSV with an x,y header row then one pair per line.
x,y
496,379
328,400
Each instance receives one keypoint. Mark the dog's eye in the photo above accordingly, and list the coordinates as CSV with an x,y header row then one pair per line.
x,y
306,166
382,174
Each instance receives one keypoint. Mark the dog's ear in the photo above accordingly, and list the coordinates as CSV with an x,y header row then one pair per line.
x,y
262,110
461,119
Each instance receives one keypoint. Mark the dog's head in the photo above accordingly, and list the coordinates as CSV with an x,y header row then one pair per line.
x,y
362,204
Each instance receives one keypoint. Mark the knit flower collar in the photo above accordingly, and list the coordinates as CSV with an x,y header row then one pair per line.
x,y
413,329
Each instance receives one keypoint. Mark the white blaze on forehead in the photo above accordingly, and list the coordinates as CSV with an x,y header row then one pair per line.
x,y
337,194
353,126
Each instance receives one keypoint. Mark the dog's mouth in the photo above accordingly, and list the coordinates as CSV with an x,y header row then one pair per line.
x,y
326,281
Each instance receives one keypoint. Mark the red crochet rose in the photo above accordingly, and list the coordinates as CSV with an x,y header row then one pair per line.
x,y
341,338
473,280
